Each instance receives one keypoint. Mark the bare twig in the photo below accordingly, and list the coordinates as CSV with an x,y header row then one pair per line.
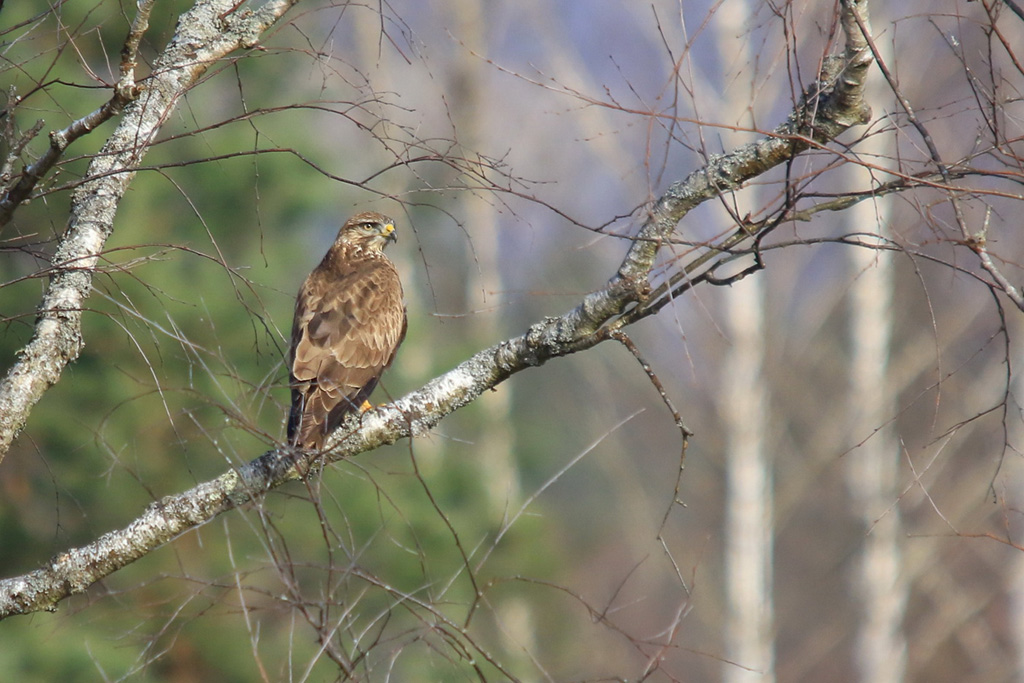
x,y
976,241
828,110
199,42
125,91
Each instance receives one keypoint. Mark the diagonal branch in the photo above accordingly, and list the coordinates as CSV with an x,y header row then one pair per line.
x,y
828,109
976,241
206,33
124,92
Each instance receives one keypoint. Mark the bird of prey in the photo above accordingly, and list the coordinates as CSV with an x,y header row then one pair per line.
x,y
349,322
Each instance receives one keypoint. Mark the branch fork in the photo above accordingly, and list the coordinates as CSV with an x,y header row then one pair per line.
x,y
627,297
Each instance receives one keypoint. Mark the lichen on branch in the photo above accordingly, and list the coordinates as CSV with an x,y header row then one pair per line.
x,y
829,107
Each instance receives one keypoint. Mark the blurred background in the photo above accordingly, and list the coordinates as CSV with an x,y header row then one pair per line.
x,y
848,510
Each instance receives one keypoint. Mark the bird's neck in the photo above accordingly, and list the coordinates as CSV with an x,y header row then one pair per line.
x,y
343,252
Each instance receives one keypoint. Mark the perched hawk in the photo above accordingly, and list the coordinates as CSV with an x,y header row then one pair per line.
x,y
349,321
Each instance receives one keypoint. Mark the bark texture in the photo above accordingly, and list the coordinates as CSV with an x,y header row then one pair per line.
x,y
206,33
829,108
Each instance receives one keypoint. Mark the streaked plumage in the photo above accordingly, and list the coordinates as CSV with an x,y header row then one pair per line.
x,y
349,322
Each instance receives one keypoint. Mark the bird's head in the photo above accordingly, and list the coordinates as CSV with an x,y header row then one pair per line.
x,y
368,231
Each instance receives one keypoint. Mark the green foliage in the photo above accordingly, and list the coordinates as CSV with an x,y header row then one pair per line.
x,y
181,378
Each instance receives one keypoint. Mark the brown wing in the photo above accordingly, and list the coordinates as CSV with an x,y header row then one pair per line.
x,y
349,322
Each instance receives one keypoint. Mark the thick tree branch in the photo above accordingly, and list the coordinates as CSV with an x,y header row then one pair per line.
x,y
124,92
826,111
206,33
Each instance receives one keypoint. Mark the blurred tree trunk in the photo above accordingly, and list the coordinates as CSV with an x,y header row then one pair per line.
x,y
873,467
748,532
1015,570
497,443
499,473
748,499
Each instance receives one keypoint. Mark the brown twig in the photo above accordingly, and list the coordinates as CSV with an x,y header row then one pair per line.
x,y
836,107
125,91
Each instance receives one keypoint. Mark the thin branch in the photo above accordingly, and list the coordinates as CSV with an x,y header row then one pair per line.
x,y
199,42
125,91
1015,8
828,109
976,241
